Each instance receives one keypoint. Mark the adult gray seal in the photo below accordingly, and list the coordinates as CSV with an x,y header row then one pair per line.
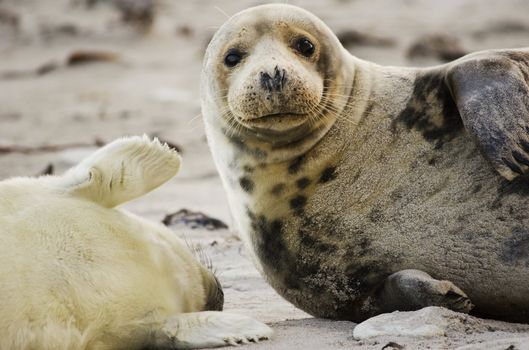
x,y
363,189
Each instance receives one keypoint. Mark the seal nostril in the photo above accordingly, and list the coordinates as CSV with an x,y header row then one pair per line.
x,y
280,78
277,82
283,78
266,81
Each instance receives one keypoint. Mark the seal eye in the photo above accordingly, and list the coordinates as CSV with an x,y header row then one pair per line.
x,y
305,47
233,57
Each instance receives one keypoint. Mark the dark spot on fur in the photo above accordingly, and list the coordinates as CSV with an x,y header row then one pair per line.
x,y
298,202
314,239
295,165
422,111
278,189
270,240
516,247
364,245
277,257
496,203
303,182
397,194
239,143
243,147
476,188
376,215
249,169
247,184
328,174
307,240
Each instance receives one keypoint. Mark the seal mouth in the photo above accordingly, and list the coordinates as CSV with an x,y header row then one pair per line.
x,y
280,115
276,121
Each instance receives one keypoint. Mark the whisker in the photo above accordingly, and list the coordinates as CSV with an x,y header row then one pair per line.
x,y
221,11
192,120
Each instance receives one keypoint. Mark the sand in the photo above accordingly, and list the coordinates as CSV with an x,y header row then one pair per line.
x,y
147,81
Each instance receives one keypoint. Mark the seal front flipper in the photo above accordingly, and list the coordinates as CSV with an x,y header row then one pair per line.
x,y
409,290
491,91
121,171
209,329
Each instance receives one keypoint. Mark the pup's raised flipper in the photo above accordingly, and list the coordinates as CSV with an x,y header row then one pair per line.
x,y
122,170
209,329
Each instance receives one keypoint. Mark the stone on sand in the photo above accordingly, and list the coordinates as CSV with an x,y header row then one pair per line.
x,y
427,322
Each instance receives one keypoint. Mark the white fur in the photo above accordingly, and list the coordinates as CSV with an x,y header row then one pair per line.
x,y
77,274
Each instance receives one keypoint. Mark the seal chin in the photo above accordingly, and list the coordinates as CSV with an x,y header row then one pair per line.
x,y
284,129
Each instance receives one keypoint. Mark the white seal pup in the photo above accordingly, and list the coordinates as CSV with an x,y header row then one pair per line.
x,y
76,273
363,189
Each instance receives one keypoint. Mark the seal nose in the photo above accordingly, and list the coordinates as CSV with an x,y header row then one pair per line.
x,y
276,82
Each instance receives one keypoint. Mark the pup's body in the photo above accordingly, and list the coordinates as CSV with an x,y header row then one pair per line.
x,y
372,195
77,274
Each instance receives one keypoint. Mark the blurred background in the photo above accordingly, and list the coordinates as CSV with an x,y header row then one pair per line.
x,y
75,74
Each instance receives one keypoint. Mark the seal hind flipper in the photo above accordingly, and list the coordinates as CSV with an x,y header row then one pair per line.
x,y
122,170
209,329
409,290
491,91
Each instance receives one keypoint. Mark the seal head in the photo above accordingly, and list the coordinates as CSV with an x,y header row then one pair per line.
x,y
275,74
